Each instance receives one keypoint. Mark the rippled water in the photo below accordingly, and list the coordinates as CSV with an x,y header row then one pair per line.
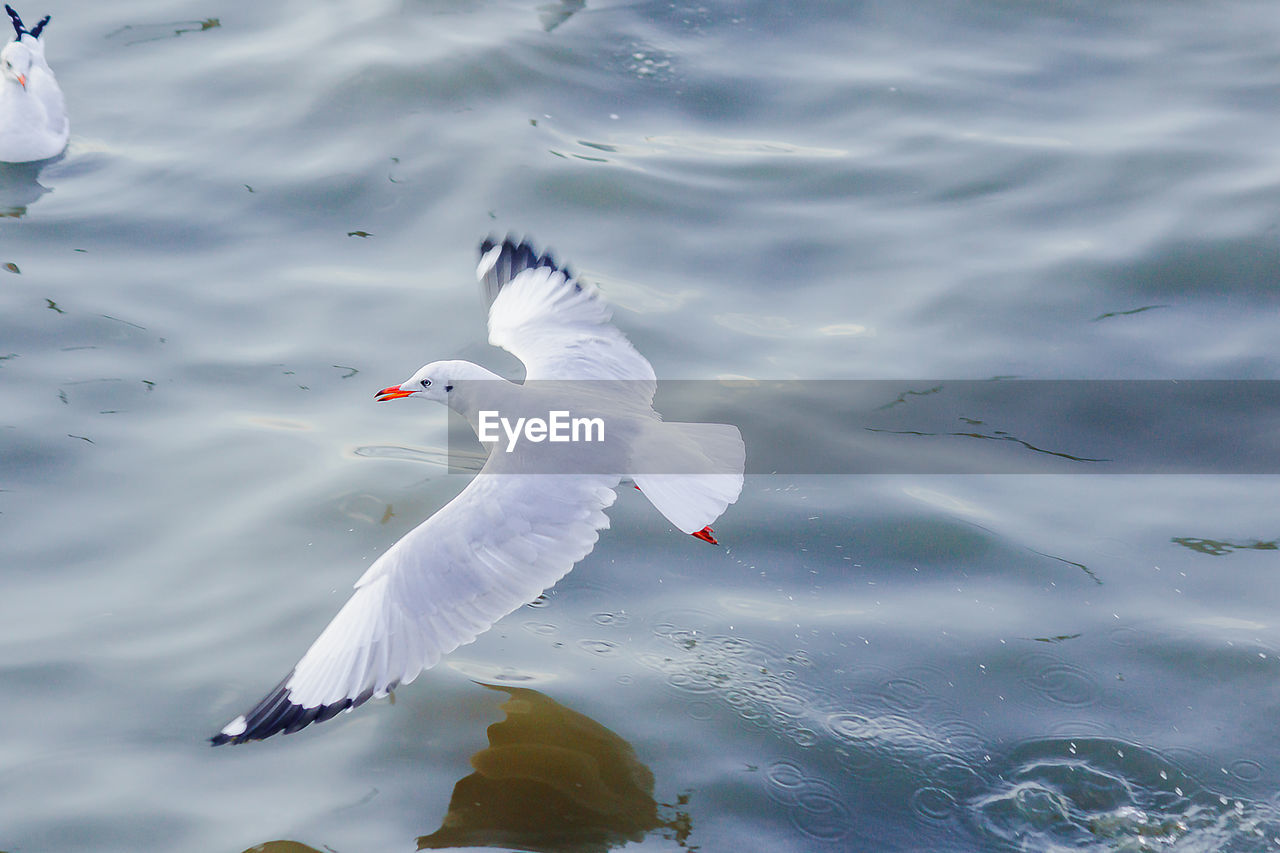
x,y
269,211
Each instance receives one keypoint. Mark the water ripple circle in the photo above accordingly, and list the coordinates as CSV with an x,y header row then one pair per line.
x,y
933,804
820,815
1060,682
952,773
905,694
699,710
785,780
598,647
850,728
1246,769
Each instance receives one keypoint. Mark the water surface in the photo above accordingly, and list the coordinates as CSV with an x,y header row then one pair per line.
x,y
269,211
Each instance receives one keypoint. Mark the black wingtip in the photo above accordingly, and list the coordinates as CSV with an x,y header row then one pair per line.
x,y
515,257
20,29
277,713
16,19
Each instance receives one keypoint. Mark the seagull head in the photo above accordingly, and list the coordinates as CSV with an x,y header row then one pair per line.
x,y
431,382
15,62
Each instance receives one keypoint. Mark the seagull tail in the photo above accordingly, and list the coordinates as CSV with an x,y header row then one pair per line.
x,y
695,472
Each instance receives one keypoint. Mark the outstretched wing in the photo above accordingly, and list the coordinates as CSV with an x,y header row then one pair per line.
x,y
552,321
494,547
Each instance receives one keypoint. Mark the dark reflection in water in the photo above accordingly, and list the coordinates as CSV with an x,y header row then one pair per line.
x,y
1109,314
552,779
139,33
1218,547
20,187
552,15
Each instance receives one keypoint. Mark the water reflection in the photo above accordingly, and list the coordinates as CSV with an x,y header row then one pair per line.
x,y
282,847
552,15
20,187
552,779
139,33
1109,314
1218,547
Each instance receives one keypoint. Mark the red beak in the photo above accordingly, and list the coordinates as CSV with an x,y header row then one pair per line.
x,y
392,393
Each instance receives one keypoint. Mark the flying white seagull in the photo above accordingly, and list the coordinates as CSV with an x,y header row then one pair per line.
x,y
534,509
33,117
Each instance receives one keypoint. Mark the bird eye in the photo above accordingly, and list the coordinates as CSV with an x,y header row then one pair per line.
x,y
426,383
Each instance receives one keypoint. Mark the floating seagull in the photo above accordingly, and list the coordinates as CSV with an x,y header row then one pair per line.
x,y
533,510
33,117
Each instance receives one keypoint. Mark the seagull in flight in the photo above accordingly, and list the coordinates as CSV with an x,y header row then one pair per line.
x,y
534,509
33,117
